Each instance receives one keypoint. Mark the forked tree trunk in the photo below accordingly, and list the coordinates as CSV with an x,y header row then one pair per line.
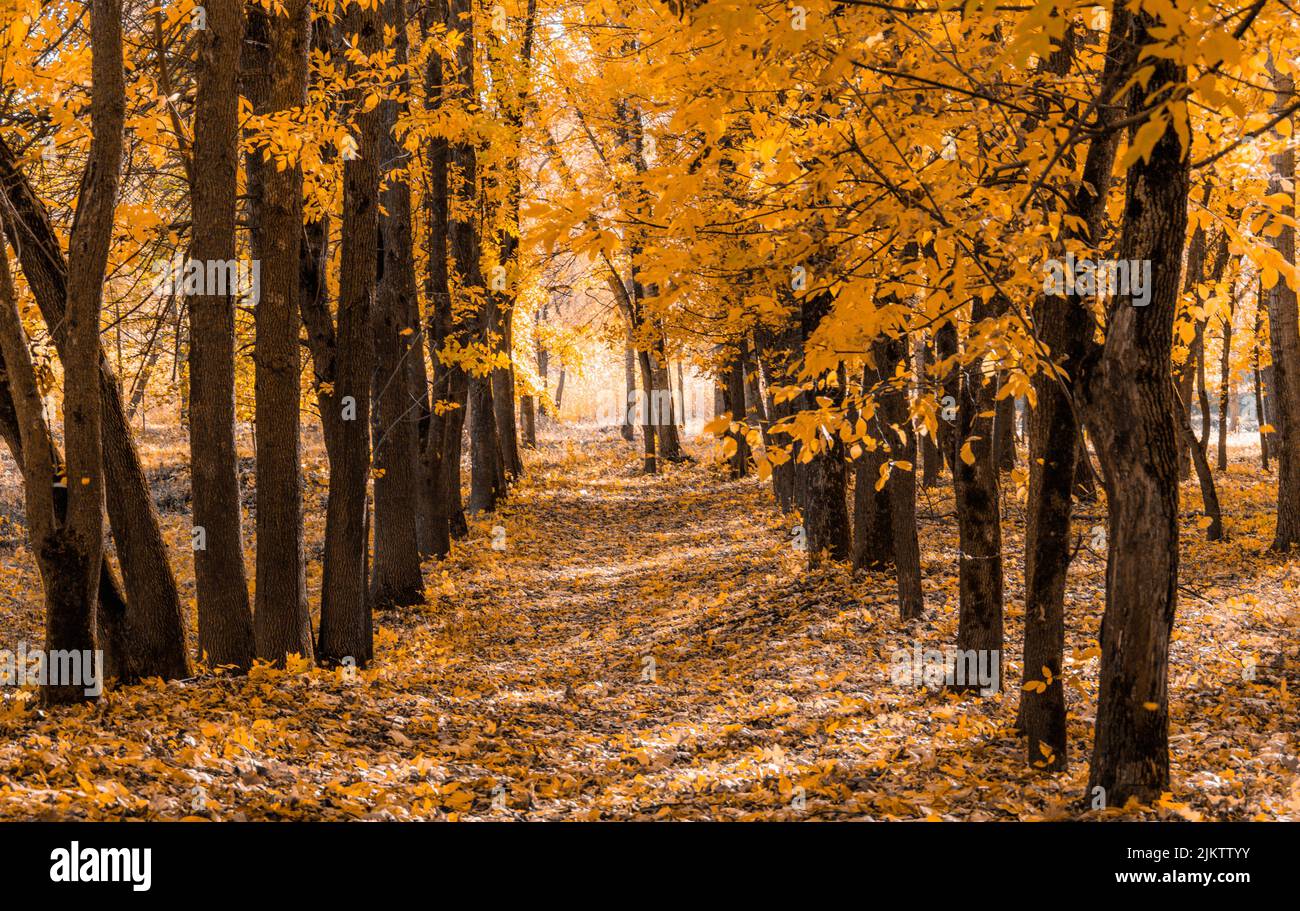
x,y
1059,469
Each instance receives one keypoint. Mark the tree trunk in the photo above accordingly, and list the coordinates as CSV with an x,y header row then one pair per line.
x,y
738,461
931,457
873,529
346,632
627,430
1059,468
220,582
650,460
277,80
395,574
150,641
979,521
895,427
1004,430
439,493
76,549
1128,403
1284,339
1213,531
1225,382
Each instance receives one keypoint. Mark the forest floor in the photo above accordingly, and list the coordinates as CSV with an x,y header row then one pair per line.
x,y
647,647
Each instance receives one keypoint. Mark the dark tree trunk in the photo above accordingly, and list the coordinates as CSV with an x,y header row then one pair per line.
x,y
150,640
1284,340
1004,430
278,49
220,582
931,457
1128,398
1059,468
1225,382
75,549
895,426
1213,531
873,529
346,630
395,574
738,461
979,521
440,499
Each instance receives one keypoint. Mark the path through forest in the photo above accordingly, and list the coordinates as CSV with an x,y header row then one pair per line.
x,y
653,646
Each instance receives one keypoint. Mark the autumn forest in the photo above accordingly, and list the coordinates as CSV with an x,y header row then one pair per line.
x,y
667,410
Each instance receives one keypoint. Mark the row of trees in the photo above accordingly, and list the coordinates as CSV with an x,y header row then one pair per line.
x,y
876,236
845,210
308,125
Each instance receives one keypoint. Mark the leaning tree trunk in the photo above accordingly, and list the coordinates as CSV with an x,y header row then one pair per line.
x,y
148,638
1204,477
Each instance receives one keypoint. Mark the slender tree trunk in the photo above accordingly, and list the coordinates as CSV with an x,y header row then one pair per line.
x,y
76,549
220,582
278,50
896,429
1284,338
395,574
931,458
979,521
1214,531
627,430
346,631
1225,382
738,462
439,490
